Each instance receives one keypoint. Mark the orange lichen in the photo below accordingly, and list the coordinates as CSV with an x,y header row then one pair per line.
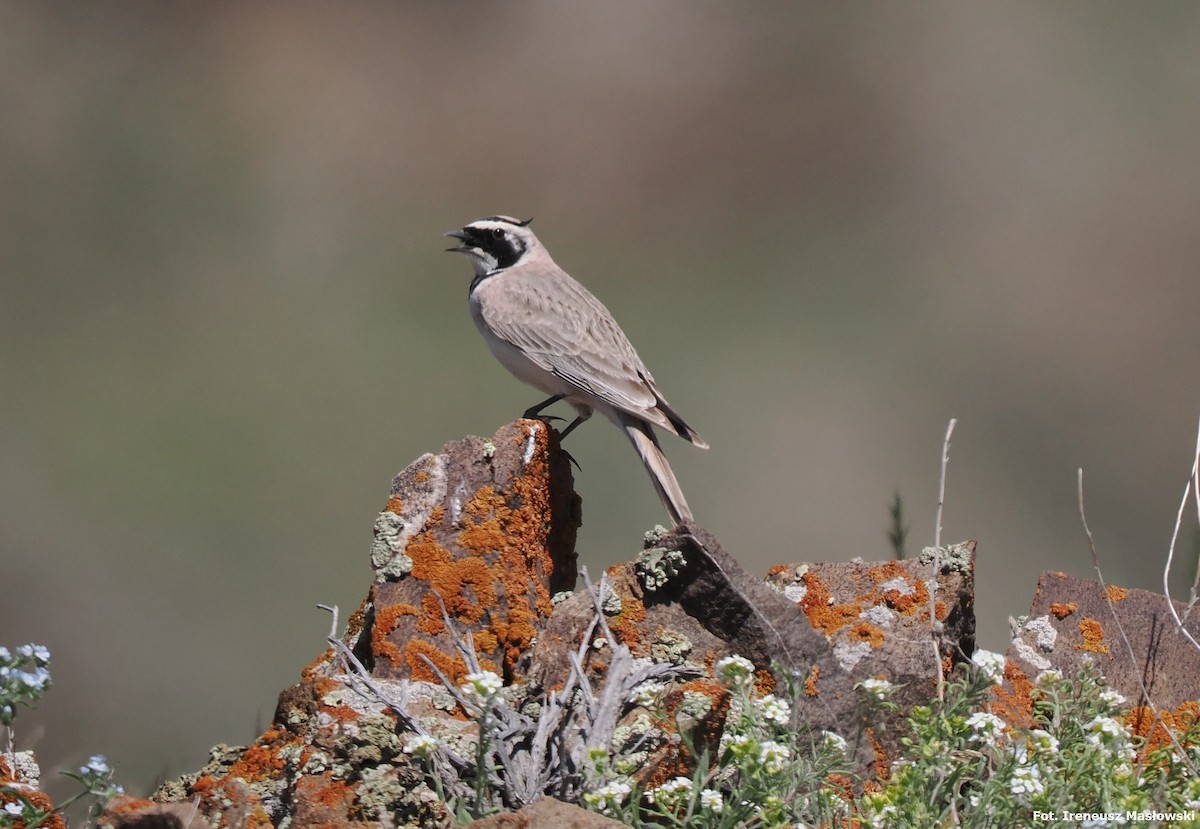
x,y
333,792
452,666
843,785
1061,610
822,612
764,681
1092,633
882,763
866,632
341,713
263,760
395,504
204,784
1116,594
1013,701
778,568
123,805
810,684
464,586
1156,728
886,571
910,602
318,666
387,619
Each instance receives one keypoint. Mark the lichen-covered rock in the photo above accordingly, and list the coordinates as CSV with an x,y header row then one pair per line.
x,y
485,531
474,572
1075,621
20,777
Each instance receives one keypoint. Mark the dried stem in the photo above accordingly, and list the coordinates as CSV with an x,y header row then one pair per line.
x,y
934,624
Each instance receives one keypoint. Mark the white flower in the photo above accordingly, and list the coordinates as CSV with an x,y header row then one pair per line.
x,y
1110,736
712,800
482,684
835,741
647,693
1043,742
421,746
987,726
739,745
96,766
878,688
1048,677
36,680
669,794
38,653
735,670
774,756
991,664
609,796
13,808
881,812
775,710
1026,780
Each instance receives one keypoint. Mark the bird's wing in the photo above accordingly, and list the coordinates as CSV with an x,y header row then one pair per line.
x,y
559,325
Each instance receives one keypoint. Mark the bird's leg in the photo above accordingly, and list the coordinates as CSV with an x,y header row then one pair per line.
x,y
535,412
569,429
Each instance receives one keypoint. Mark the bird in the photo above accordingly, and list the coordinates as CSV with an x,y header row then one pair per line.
x,y
551,332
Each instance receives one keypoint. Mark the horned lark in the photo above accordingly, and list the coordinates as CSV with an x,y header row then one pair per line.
x,y
550,332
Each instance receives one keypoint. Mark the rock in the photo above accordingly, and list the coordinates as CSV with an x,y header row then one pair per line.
x,y
20,774
546,814
130,813
473,559
488,531
1075,621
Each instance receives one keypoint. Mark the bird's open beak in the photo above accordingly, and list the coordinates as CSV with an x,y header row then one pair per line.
x,y
460,235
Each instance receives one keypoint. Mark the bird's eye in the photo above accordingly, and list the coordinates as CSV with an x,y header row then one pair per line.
x,y
497,233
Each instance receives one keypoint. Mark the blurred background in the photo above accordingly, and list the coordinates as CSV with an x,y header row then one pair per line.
x,y
226,319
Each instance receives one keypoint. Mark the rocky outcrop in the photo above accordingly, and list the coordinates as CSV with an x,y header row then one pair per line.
x,y
475,585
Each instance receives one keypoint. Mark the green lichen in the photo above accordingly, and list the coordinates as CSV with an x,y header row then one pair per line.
x,y
611,603
955,558
671,647
634,742
657,566
379,730
694,705
442,700
387,551
656,535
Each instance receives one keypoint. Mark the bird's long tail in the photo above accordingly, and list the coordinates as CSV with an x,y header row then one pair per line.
x,y
641,434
